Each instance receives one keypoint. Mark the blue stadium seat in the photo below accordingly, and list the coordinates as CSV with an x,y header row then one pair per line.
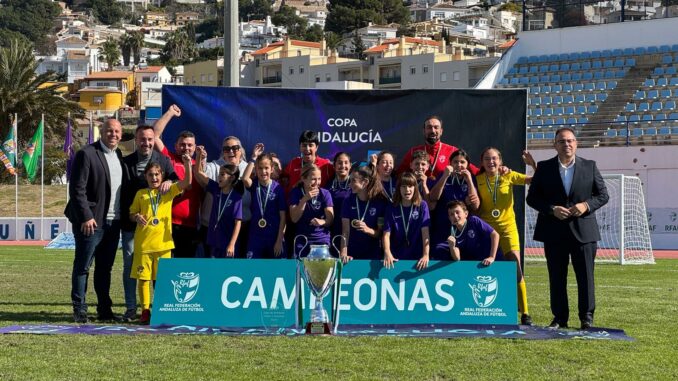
x,y
670,105
611,133
548,122
674,47
522,60
598,75
537,123
576,76
566,77
571,121
595,54
660,117
662,81
619,73
652,94
560,121
555,78
602,97
588,98
671,70
532,59
649,82
504,81
665,94
606,53
609,74
564,57
546,89
656,106
558,99
515,81
634,118
523,70
637,132
643,106
584,55
607,64
647,118
617,53
593,109
568,98
543,68
639,95
535,101
628,51
546,100
673,116
658,71
534,79
611,85
544,78
630,62
674,81
564,67
619,63
581,109
534,90
558,110
581,86
575,56
553,67
623,131
602,85
543,58
587,76
583,120
639,51
664,131
536,112
553,57
550,135
652,50
664,49
621,118
630,107
575,66
569,110
597,65
534,69
650,131
524,80
586,65
548,111
667,59
556,88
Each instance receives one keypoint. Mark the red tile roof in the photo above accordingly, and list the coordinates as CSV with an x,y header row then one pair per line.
x,y
109,75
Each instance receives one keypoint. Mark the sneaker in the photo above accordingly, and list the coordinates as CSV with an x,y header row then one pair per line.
x,y
108,316
80,317
526,319
145,318
129,315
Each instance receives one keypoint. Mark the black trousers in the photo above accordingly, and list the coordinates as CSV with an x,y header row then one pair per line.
x,y
583,256
185,241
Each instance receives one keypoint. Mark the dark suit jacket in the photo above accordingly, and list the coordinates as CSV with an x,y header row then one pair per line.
x,y
131,183
546,190
90,189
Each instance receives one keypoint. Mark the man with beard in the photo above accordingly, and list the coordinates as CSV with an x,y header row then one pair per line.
x,y
308,148
133,179
186,207
438,152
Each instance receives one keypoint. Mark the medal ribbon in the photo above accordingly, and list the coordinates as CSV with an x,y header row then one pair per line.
x,y
406,224
453,230
357,208
314,200
222,208
262,204
493,193
336,184
155,202
389,191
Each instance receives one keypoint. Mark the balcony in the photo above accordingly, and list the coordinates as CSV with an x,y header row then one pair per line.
x,y
272,79
389,80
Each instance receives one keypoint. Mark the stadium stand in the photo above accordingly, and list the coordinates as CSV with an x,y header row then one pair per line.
x,y
615,96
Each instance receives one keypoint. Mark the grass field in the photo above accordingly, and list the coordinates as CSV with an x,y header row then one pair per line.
x,y
35,286
29,200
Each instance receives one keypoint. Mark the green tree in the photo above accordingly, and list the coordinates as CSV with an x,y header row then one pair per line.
x,y
287,17
254,9
314,33
359,47
332,40
107,11
511,7
137,44
125,42
29,95
34,19
110,53
178,49
347,15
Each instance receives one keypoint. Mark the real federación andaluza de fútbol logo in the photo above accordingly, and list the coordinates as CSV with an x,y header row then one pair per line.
x,y
186,286
484,290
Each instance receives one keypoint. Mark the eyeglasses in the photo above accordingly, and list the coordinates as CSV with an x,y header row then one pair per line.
x,y
234,148
566,141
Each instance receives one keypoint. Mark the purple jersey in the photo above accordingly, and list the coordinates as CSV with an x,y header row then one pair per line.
x,y
340,191
314,209
361,245
226,208
406,246
454,190
473,241
271,206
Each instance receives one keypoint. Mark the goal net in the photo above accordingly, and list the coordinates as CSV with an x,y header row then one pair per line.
x,y
625,236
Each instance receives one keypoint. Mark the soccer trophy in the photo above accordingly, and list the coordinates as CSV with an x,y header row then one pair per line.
x,y
320,272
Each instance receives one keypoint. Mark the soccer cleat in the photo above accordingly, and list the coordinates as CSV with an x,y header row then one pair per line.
x,y
80,317
129,315
526,319
145,318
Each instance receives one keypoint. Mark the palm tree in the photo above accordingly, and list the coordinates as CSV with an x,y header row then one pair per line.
x,y
126,41
137,44
29,95
178,47
110,53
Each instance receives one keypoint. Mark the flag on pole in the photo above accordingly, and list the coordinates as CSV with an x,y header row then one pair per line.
x,y
8,151
33,152
68,149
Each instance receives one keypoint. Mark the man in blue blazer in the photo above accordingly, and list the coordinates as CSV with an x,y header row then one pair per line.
x,y
566,190
94,211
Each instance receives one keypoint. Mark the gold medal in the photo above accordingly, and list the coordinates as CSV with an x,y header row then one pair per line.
x,y
355,223
262,223
495,213
155,221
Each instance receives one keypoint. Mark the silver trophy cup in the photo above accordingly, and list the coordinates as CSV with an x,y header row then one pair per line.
x,y
320,272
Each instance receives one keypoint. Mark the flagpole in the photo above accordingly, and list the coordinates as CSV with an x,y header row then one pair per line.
x,y
42,180
16,178
67,179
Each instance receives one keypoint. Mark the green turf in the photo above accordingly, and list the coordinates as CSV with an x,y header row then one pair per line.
x,y
35,286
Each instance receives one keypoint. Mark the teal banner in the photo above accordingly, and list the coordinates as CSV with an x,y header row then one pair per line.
x,y
263,293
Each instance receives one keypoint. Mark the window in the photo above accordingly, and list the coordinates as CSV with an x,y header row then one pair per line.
x,y
256,62
317,78
98,100
424,69
456,75
298,53
210,77
145,79
443,77
291,70
202,78
413,70
371,60
256,82
301,69
328,77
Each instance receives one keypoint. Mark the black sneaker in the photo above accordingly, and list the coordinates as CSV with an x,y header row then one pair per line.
x,y
129,315
586,324
80,317
526,319
556,325
109,316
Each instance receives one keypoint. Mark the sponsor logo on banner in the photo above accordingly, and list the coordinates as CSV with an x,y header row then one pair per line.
x,y
485,291
350,133
185,287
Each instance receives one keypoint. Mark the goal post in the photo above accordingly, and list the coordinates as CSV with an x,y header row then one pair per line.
x,y
624,230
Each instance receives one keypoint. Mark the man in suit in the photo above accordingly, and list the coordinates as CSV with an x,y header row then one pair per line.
x,y
94,211
133,180
566,190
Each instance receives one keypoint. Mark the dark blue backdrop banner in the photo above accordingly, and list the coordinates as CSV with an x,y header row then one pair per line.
x,y
353,121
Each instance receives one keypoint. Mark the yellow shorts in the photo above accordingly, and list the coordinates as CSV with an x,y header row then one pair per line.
x,y
509,241
145,266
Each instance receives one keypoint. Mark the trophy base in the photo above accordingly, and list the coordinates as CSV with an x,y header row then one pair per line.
x,y
317,328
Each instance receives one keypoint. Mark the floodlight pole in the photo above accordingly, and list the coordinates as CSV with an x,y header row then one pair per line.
x,y
231,60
